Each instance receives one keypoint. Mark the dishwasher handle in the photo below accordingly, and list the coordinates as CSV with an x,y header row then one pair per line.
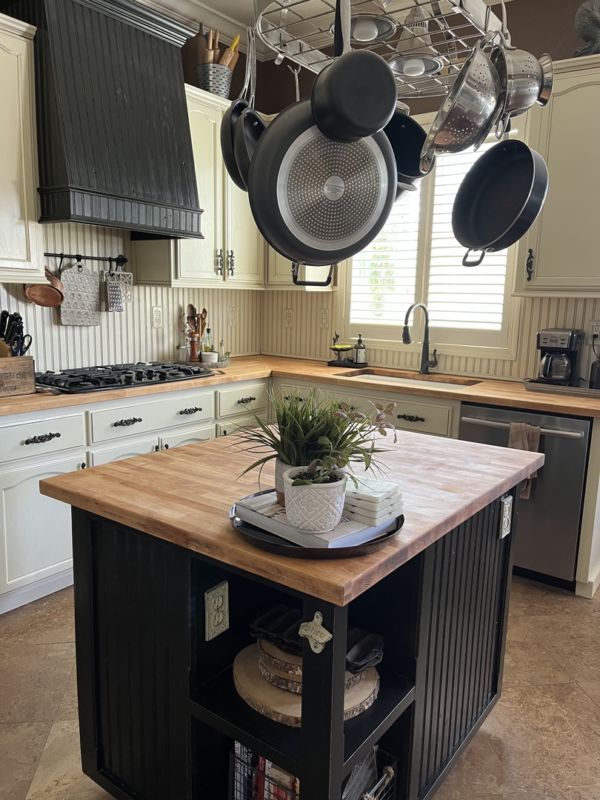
x,y
488,423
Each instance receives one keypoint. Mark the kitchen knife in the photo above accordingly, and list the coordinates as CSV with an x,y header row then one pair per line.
x,y
3,323
12,327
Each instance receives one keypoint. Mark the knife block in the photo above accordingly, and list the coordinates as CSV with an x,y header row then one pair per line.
x,y
17,376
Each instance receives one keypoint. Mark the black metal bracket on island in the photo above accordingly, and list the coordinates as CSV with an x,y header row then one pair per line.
x,y
159,713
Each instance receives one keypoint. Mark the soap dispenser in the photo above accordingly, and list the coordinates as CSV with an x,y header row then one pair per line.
x,y
360,352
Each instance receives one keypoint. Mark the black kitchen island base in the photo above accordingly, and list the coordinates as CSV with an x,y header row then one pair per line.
x,y
159,714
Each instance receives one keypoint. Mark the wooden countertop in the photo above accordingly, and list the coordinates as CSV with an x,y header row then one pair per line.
x,y
184,495
490,392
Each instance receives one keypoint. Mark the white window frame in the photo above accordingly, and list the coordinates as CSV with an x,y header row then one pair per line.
x,y
451,341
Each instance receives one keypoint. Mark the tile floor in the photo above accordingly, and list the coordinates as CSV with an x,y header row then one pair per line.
x,y
541,742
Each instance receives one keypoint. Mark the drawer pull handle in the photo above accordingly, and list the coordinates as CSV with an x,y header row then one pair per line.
x,y
186,412
243,401
411,418
126,423
42,438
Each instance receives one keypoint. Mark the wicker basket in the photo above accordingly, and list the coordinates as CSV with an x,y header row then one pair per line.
x,y
214,78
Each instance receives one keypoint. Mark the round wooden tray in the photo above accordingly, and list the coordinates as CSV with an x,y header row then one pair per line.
x,y
284,706
275,544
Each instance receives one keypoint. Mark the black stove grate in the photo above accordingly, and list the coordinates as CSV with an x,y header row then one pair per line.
x,y
115,376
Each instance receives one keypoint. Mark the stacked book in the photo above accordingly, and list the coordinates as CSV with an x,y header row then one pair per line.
x,y
371,510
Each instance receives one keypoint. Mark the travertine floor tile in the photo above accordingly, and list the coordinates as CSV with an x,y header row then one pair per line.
x,y
47,621
583,793
59,775
67,708
529,598
526,665
592,689
33,680
21,747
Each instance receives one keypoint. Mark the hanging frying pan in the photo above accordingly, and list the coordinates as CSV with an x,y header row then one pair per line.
x,y
316,200
499,199
355,96
231,116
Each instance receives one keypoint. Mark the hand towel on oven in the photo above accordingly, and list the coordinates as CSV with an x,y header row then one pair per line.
x,y
525,437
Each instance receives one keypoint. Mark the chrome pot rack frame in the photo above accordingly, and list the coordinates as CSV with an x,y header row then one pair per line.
x,y
301,30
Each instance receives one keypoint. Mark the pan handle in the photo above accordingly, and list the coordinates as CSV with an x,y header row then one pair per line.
x,y
503,126
297,282
467,263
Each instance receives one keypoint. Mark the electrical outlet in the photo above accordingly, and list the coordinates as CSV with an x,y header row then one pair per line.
x,y
216,611
595,329
232,316
157,317
288,316
325,318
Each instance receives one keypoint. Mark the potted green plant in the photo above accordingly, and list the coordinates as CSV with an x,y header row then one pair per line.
x,y
321,439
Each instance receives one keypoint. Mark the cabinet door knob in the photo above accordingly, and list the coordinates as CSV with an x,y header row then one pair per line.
x,y
126,423
166,446
42,438
83,465
231,263
220,262
530,265
411,418
156,448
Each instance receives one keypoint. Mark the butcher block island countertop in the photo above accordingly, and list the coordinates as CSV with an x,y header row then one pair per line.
x,y
184,495
510,394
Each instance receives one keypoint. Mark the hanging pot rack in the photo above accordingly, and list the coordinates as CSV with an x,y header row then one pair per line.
x,y
301,30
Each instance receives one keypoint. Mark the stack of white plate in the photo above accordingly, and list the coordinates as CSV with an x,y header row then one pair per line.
x,y
373,501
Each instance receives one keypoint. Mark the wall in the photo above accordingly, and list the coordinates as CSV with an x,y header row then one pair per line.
x,y
126,337
307,339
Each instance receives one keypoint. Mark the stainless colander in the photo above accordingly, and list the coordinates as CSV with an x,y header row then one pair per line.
x,y
524,81
468,113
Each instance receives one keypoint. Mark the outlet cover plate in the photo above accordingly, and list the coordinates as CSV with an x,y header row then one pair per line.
x,y
506,516
216,611
595,328
157,317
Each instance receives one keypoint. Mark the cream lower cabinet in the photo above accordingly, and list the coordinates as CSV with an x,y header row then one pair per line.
x,y
35,531
21,248
232,253
559,256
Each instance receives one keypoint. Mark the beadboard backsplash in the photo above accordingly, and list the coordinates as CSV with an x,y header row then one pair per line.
x,y
128,336
294,326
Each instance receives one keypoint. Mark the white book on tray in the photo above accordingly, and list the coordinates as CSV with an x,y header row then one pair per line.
x,y
264,512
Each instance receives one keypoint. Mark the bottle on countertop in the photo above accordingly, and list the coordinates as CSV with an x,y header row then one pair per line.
x,y
595,375
207,342
360,351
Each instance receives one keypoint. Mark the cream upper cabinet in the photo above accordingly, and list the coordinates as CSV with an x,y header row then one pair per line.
x,y
198,261
21,248
232,253
561,249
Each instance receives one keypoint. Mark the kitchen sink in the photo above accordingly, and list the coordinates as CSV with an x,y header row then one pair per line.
x,y
405,378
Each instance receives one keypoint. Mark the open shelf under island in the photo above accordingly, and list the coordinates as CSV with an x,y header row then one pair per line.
x,y
159,713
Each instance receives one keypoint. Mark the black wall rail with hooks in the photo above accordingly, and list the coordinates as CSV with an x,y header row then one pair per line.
x,y
120,260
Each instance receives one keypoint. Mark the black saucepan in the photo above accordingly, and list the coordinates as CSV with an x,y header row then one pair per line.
x,y
407,138
316,200
499,199
249,127
355,96
232,115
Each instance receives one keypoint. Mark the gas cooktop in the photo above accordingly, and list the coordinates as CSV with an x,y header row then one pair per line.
x,y
115,376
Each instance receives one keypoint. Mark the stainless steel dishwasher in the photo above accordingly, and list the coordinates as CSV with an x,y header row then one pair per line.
x,y
549,522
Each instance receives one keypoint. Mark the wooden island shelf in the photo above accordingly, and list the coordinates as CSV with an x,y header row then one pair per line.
x,y
159,713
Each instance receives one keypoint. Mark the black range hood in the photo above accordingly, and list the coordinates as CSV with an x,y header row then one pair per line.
x,y
113,132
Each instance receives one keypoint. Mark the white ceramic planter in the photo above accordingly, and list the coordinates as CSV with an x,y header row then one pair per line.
x,y
316,508
209,357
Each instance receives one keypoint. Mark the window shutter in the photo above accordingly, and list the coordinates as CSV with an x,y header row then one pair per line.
x,y
460,297
384,275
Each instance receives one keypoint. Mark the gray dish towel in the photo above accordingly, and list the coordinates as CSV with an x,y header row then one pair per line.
x,y
525,437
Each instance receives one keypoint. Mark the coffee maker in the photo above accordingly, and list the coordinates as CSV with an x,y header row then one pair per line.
x,y
559,356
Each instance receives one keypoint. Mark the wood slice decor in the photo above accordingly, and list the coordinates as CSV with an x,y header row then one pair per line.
x,y
286,707
284,670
